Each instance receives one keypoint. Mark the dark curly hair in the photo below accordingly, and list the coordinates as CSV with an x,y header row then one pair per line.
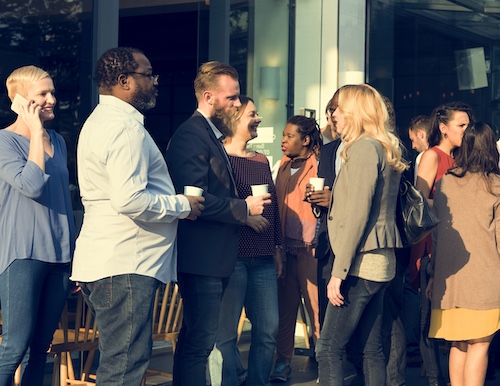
x,y
444,114
114,62
308,127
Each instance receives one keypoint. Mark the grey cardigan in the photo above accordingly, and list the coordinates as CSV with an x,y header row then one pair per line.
x,y
362,214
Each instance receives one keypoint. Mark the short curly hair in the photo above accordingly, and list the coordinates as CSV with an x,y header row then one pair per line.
x,y
308,127
114,62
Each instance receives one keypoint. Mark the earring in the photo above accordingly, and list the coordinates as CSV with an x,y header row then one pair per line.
x,y
445,135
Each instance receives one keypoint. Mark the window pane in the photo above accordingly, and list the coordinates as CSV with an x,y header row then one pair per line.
x,y
56,36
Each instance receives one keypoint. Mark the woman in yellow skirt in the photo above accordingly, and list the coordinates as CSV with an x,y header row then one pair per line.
x,y
465,282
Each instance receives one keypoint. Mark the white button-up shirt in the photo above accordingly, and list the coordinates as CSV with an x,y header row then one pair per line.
x,y
131,209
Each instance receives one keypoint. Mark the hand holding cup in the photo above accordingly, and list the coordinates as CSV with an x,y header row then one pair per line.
x,y
196,199
317,193
259,198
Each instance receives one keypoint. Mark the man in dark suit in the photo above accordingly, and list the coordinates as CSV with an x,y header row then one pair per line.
x,y
207,248
321,202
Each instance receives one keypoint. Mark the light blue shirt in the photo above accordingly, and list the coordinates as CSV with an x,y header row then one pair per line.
x,y
131,209
338,159
36,216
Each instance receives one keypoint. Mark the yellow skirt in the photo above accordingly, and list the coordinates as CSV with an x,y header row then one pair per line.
x,y
464,324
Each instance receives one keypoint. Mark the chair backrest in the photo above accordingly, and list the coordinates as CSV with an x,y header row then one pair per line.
x,y
77,330
167,313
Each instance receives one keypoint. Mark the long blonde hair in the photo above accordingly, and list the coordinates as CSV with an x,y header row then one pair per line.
x,y
365,114
20,80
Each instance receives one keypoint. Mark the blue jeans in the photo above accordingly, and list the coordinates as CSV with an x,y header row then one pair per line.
x,y
201,297
123,306
32,294
429,348
254,285
361,315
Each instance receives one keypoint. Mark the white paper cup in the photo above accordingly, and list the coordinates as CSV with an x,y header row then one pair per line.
x,y
193,191
259,190
317,182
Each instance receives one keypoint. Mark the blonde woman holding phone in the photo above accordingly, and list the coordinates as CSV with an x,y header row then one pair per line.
x,y
37,227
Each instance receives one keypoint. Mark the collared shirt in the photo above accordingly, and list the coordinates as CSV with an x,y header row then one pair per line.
x,y
131,209
214,128
338,159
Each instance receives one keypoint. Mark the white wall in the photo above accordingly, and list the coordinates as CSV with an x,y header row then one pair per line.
x,y
352,41
329,41
330,50
316,55
270,50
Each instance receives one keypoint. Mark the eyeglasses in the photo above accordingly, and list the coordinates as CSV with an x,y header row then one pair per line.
x,y
152,78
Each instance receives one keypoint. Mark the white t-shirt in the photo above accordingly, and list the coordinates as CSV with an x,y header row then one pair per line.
x,y
417,162
498,147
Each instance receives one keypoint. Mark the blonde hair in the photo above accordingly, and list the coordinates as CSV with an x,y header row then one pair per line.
x,y
20,80
365,114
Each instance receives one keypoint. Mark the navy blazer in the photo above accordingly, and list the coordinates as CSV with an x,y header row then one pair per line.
x,y
326,169
209,245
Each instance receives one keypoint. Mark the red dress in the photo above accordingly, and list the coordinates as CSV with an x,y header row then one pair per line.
x,y
424,247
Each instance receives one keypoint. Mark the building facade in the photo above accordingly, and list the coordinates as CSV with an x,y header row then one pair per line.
x,y
291,54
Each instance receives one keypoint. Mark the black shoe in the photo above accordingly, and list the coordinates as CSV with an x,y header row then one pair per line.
x,y
282,373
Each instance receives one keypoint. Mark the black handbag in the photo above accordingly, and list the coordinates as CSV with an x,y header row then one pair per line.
x,y
415,219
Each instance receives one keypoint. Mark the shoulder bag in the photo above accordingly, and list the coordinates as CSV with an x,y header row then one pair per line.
x,y
414,216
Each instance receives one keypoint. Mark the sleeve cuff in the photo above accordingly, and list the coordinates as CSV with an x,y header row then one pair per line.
x,y
185,206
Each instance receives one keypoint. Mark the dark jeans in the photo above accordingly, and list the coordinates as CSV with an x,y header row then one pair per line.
x,y
393,330
201,301
33,294
324,264
123,306
411,316
361,315
428,347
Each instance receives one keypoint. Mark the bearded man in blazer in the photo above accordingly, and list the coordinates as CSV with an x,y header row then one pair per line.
x,y
207,248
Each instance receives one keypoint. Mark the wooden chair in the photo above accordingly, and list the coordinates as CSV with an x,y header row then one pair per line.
x,y
167,320
17,376
77,332
241,323
303,322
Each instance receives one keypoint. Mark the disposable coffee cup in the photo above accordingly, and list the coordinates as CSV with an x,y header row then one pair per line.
x,y
317,182
259,190
193,191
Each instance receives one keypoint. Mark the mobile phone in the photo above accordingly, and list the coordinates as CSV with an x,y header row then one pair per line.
x,y
17,102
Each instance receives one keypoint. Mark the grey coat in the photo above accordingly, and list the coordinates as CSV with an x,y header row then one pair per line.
x,y
362,218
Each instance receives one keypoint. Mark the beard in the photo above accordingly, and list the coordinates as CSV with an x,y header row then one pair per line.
x,y
142,100
224,120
